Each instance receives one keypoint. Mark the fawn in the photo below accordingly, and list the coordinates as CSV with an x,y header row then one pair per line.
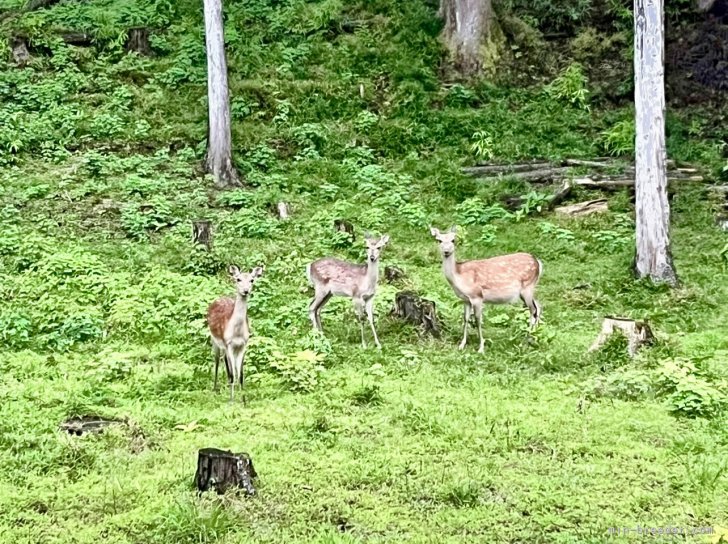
x,y
333,277
498,280
230,328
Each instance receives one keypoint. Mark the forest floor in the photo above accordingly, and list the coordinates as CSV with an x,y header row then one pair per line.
x,y
103,298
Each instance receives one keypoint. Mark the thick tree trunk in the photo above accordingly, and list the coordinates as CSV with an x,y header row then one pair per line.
x,y
471,35
653,258
218,161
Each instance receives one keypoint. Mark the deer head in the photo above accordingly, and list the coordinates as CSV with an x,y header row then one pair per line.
x,y
446,240
244,280
374,247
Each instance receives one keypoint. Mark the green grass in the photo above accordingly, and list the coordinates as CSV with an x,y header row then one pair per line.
x,y
103,297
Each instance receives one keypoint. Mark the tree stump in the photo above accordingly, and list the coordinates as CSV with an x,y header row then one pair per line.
x,y
638,333
138,41
393,274
341,225
284,211
202,233
412,308
221,470
21,55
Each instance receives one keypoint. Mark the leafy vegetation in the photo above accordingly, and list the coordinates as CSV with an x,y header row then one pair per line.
x,y
338,110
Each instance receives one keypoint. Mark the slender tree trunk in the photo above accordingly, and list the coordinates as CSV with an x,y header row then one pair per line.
x,y
218,161
471,35
653,258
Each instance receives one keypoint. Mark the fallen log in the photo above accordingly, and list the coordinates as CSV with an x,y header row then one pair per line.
x,y
480,170
589,207
410,307
560,195
638,333
220,470
534,176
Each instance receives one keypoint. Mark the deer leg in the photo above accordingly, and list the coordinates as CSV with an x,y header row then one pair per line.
x,y
466,317
241,370
230,358
532,305
319,308
369,305
314,309
478,309
359,309
216,358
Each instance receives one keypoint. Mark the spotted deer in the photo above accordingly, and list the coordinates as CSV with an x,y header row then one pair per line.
x,y
230,328
333,277
499,280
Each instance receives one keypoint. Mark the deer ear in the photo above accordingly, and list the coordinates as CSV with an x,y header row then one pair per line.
x,y
257,271
233,270
384,240
435,232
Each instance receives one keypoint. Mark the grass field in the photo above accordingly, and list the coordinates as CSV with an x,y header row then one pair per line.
x,y
103,297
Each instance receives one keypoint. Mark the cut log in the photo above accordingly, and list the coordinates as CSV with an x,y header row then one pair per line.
x,y
421,312
202,233
638,333
615,183
87,424
33,5
393,274
137,41
77,38
581,209
221,470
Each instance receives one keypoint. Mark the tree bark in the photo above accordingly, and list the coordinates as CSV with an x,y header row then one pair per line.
x,y
218,161
653,257
471,35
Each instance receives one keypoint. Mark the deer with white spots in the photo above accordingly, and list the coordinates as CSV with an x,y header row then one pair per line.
x,y
230,328
499,280
333,277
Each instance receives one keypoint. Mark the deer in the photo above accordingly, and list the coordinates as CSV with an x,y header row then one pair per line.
x,y
227,320
333,277
498,280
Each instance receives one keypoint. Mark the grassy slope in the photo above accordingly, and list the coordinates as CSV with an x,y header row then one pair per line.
x,y
103,300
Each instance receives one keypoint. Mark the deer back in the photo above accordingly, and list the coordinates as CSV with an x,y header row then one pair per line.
x,y
499,279
339,277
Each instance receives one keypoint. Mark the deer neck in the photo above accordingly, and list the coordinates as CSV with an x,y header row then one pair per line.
x,y
240,315
449,268
372,275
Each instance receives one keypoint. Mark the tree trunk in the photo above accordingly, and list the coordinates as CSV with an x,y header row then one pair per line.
x,y
471,35
218,161
653,258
